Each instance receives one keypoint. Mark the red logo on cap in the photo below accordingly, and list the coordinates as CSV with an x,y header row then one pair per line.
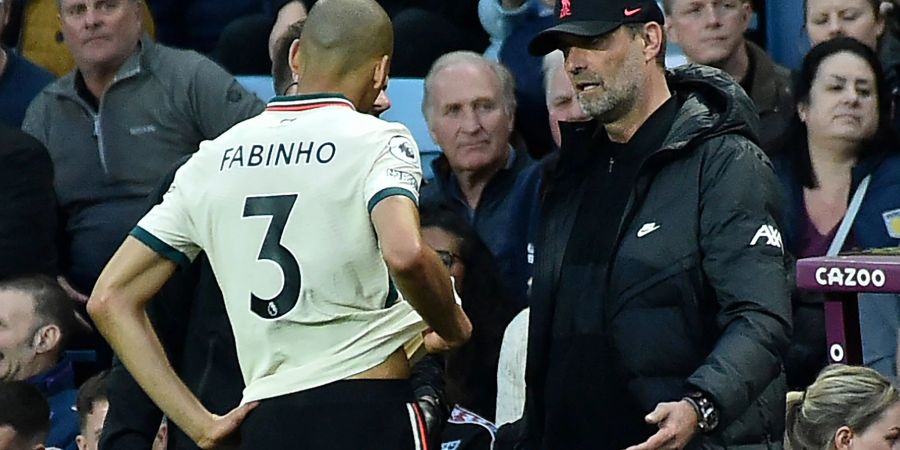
x,y
566,9
631,12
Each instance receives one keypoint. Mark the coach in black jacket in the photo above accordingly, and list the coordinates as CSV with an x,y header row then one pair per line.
x,y
660,304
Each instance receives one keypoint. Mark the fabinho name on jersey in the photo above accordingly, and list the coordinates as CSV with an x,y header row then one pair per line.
x,y
275,155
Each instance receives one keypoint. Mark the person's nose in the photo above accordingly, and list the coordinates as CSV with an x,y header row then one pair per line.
x,y
470,123
574,62
834,27
712,16
92,19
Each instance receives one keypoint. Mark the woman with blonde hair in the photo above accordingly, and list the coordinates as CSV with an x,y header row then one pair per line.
x,y
846,408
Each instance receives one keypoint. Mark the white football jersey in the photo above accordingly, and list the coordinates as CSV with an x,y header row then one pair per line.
x,y
281,204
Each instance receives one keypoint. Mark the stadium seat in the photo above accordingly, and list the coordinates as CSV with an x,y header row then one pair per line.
x,y
406,107
261,85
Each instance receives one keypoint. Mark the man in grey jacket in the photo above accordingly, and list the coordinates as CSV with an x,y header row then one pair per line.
x,y
116,124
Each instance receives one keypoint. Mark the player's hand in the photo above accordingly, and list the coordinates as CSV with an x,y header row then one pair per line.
x,y
677,423
223,430
434,343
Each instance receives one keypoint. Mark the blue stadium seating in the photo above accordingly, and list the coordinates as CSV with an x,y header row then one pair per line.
x,y
406,107
261,85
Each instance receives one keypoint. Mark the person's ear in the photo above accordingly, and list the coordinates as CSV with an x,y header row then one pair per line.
x,y
380,75
802,111
81,442
746,14
46,339
653,41
843,438
294,60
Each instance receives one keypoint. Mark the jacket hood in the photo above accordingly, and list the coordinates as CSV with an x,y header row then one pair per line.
x,y
712,103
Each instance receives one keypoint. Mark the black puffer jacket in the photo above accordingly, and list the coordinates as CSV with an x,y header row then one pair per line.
x,y
699,286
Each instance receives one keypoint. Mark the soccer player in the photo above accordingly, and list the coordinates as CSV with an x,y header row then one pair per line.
x,y
307,213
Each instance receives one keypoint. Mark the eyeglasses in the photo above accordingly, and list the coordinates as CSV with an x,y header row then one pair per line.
x,y
447,257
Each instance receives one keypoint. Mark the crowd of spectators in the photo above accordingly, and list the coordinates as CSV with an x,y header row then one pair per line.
x,y
84,155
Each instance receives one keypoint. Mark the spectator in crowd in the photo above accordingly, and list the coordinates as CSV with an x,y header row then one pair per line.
x,y
500,17
859,19
291,12
37,319
24,417
845,408
711,32
27,206
660,301
512,24
284,51
468,105
471,370
197,24
426,29
20,80
841,135
92,406
116,123
867,22
562,103
244,45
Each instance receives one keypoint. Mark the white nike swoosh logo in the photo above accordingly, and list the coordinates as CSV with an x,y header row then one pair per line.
x,y
647,228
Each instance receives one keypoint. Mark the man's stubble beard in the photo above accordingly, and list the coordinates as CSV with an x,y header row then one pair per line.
x,y
618,99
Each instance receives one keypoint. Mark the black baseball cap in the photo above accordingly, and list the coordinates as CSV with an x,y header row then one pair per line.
x,y
592,18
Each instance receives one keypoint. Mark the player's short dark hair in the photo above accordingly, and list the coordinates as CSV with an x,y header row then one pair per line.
x,y
92,391
52,306
281,69
25,410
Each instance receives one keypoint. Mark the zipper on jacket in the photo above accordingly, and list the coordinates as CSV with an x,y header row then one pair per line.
x,y
611,162
99,136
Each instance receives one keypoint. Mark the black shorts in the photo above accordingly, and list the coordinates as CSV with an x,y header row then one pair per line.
x,y
344,415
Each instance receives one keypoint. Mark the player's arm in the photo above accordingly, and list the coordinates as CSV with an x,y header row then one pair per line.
x,y
134,274
417,270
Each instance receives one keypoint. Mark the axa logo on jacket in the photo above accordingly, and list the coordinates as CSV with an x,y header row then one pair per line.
x,y
771,234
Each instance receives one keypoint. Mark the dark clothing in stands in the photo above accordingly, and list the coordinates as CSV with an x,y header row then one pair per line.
x,y
28,213
20,82
197,24
426,29
505,218
527,69
58,387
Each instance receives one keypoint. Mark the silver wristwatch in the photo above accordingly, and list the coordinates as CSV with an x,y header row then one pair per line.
x,y
707,414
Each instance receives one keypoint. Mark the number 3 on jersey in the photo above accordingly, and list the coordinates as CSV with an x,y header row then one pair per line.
x,y
278,207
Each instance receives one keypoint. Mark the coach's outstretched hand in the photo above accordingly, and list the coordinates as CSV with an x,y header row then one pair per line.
x,y
677,423
223,431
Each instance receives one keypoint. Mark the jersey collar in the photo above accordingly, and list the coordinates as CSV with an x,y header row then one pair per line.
x,y
308,101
